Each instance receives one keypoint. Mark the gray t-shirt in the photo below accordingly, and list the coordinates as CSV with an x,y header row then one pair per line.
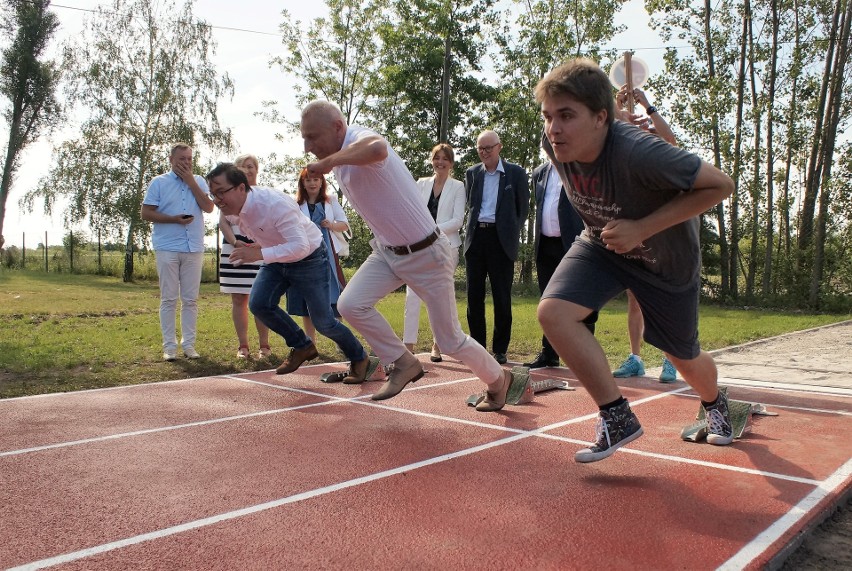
x,y
636,174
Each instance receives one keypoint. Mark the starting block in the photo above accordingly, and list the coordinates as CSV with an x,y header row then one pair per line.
x,y
739,411
375,372
522,390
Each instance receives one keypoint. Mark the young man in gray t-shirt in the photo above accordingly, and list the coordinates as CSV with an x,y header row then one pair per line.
x,y
640,199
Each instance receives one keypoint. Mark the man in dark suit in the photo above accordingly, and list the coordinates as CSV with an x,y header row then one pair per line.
x,y
557,224
498,195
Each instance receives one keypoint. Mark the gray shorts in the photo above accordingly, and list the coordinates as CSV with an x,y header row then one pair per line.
x,y
590,276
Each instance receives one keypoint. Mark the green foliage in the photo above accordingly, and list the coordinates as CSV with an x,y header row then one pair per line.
x,y
27,82
418,40
142,72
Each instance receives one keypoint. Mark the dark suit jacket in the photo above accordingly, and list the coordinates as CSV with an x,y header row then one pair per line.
x,y
513,205
570,223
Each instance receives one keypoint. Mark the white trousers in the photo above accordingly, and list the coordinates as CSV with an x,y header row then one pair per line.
x,y
429,273
411,324
180,276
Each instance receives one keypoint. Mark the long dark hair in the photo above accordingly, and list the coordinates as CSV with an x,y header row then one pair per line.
x,y
302,192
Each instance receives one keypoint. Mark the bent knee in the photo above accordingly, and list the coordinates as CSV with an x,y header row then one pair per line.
x,y
554,313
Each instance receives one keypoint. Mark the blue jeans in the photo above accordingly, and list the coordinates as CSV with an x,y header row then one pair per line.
x,y
309,277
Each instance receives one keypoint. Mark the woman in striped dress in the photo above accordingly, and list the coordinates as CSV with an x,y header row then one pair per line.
x,y
237,280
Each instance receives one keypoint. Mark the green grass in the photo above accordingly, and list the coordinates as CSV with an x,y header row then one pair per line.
x,y
63,332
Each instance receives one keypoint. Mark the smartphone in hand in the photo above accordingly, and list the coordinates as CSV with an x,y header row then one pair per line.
x,y
185,216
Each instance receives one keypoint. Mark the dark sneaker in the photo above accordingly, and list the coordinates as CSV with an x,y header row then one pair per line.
x,y
720,432
542,360
501,358
631,367
669,373
616,427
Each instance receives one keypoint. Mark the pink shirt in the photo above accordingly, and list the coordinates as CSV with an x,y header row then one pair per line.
x,y
385,195
274,220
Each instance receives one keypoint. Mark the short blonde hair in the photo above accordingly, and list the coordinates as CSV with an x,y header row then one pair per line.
x,y
243,158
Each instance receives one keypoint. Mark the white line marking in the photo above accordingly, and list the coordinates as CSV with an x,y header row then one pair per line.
x,y
790,387
105,547
773,533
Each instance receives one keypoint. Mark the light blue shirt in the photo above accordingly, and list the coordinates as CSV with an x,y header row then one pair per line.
x,y
172,196
490,188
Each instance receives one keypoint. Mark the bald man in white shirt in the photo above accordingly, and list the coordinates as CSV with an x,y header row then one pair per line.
x,y
407,249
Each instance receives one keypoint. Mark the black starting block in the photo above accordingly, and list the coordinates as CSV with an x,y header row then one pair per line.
x,y
522,390
739,411
375,372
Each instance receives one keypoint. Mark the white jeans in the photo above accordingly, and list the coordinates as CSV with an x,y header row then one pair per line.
x,y
412,308
180,276
429,273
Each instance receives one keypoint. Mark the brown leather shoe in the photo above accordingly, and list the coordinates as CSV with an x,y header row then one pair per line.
x,y
296,358
496,400
357,372
399,377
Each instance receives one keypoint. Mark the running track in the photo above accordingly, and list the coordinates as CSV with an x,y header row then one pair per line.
x,y
259,471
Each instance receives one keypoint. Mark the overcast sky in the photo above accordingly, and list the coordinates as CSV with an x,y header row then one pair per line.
x,y
244,56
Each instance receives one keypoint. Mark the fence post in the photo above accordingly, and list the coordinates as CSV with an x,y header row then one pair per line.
x,y
100,269
23,250
71,248
46,270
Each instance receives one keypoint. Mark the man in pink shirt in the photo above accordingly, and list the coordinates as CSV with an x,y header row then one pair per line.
x,y
407,249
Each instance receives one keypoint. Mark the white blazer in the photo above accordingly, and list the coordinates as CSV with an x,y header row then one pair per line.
x,y
333,213
450,207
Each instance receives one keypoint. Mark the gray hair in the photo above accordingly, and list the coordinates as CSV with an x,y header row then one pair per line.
x,y
325,109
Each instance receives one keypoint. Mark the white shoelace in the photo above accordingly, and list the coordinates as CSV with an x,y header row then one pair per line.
x,y
601,429
716,422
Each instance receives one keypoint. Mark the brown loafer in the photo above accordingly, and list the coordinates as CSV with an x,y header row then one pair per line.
x,y
296,358
397,380
496,400
357,372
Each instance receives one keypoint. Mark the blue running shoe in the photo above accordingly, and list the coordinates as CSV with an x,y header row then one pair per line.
x,y
631,367
669,373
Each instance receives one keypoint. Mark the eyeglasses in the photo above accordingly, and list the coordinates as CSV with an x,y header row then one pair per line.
x,y
487,148
221,194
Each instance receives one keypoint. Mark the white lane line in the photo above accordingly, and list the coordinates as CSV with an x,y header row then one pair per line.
x,y
786,387
329,399
159,534
204,522
796,408
159,429
773,533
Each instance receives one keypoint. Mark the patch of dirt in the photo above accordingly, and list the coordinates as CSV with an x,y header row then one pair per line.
x,y
828,547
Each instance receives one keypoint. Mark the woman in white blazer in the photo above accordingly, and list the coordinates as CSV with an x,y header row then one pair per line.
x,y
445,198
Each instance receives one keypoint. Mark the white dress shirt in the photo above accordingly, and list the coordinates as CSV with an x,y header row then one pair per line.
x,y
274,220
385,195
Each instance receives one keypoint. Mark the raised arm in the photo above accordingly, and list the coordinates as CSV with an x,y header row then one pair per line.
x,y
365,151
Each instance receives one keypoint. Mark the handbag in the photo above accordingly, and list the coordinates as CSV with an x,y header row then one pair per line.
x,y
341,242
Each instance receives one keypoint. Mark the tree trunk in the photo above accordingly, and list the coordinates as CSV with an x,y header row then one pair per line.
x,y
829,139
770,155
717,154
738,142
128,255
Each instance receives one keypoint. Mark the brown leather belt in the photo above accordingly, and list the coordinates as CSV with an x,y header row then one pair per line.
x,y
486,225
417,246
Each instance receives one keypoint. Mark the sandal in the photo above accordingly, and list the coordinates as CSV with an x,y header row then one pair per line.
x,y
265,351
243,352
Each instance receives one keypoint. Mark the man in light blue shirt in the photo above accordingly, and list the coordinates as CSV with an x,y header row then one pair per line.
x,y
175,203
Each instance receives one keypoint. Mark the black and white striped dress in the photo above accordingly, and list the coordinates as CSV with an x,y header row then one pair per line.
x,y
235,279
